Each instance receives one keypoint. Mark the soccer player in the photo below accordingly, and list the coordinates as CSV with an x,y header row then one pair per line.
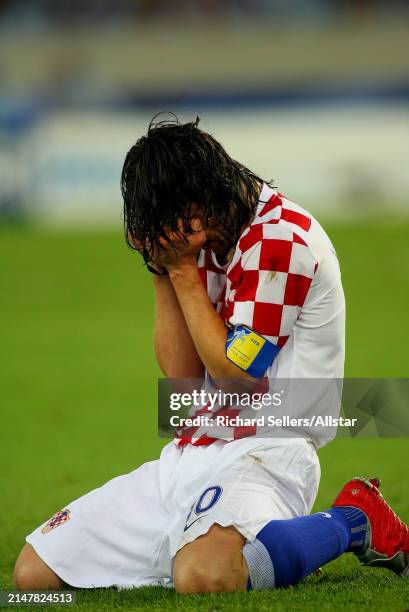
x,y
235,265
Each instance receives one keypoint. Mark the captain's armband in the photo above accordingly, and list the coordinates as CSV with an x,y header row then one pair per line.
x,y
250,351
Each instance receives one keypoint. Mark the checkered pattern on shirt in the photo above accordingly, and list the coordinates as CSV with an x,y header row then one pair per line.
x,y
265,285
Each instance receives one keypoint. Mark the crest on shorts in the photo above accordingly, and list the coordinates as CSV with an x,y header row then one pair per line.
x,y
58,519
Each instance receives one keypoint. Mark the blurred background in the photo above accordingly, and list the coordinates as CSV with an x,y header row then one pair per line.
x,y
313,94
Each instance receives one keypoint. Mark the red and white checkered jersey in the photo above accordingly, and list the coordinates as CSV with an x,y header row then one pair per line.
x,y
284,283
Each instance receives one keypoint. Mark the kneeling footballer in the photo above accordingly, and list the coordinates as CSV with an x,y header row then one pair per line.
x,y
229,256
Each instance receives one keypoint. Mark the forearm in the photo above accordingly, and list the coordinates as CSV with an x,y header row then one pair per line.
x,y
174,348
207,330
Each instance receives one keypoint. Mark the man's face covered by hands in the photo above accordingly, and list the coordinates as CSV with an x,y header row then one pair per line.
x,y
194,233
218,239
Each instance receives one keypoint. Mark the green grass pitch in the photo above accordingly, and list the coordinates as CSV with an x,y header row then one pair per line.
x,y
78,396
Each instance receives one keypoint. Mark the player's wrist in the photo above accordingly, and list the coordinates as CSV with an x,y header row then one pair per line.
x,y
156,269
182,267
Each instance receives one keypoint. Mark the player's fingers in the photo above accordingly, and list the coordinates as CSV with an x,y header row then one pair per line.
x,y
197,225
143,248
132,240
165,243
180,225
136,244
174,238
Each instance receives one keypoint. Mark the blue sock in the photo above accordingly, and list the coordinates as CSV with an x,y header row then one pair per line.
x,y
286,551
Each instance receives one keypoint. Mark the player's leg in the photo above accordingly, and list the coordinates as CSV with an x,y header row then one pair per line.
x,y
359,521
286,551
30,572
249,487
269,549
110,537
212,563
283,553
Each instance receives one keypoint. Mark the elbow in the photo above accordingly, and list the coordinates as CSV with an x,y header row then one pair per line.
x,y
175,370
190,374
228,376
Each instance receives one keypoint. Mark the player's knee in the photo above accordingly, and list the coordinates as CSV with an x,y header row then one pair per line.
x,y
212,563
31,573
189,578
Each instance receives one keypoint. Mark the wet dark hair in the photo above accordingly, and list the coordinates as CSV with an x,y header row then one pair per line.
x,y
171,167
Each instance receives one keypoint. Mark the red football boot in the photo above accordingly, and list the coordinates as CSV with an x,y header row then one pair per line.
x,y
389,536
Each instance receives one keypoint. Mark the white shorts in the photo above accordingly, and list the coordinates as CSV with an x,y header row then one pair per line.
x,y
127,532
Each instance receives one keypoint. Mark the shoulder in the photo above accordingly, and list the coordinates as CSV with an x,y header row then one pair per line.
x,y
285,230
275,247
